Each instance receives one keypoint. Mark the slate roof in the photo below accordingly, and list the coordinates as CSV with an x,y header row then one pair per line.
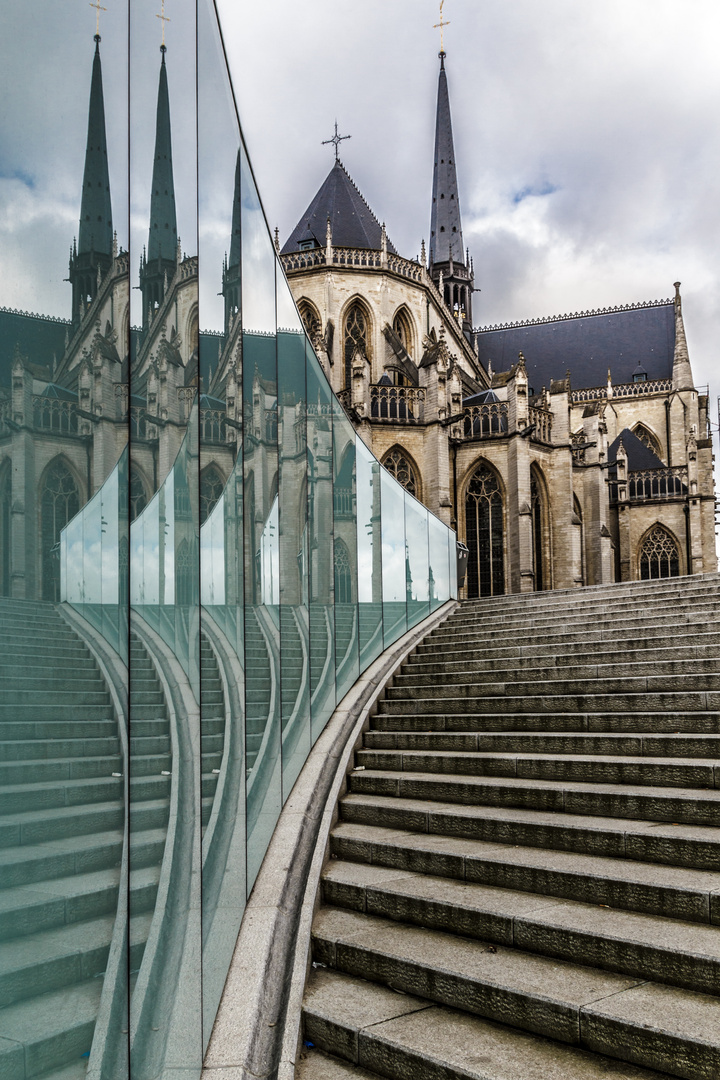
x,y
162,241
38,337
445,226
639,456
587,345
96,231
353,222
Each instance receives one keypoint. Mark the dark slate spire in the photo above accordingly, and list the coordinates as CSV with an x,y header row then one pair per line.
x,y
94,248
159,264
352,222
445,228
450,264
162,243
231,269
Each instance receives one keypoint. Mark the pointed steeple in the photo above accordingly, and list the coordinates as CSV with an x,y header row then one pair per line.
x,y
94,249
231,270
447,251
445,227
161,263
682,378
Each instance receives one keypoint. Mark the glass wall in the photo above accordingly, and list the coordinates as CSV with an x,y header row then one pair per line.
x,y
198,554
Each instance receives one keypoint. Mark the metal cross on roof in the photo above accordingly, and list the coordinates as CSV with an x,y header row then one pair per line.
x,y
441,25
163,17
98,6
336,140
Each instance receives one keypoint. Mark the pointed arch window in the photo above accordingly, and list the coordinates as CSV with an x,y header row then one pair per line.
x,y
659,555
343,573
310,319
211,488
398,466
59,502
647,438
484,531
5,533
138,494
355,338
540,531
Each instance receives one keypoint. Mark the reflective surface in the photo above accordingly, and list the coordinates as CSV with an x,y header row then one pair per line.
x,y
198,556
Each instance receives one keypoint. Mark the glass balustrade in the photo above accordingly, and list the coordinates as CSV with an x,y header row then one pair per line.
x,y
196,565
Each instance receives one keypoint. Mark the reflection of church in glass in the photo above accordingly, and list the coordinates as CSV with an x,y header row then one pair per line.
x,y
65,401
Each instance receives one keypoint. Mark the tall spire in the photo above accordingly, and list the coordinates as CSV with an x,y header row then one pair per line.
x,y
95,236
448,259
159,265
445,225
162,243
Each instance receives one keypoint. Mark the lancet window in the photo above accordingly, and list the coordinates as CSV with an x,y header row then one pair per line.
x,y
356,334
138,494
484,530
5,518
211,488
59,502
659,555
398,465
343,574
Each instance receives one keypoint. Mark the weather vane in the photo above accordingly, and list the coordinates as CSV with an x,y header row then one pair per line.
x,y
336,140
163,17
98,8
441,25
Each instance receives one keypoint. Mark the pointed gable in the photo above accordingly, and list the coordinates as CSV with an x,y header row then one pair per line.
x,y
352,221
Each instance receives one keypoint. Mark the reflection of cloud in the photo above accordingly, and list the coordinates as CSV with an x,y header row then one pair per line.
x,y
393,571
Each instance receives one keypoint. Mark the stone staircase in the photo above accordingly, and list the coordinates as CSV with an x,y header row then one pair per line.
x,y
61,838
524,881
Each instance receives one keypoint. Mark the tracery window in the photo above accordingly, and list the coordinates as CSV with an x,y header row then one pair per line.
x,y
401,327
211,488
356,331
310,318
659,555
484,531
138,494
537,518
647,438
343,574
5,537
59,502
398,466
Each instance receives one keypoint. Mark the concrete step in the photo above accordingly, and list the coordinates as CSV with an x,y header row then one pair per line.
x,y
550,742
685,805
401,1035
658,701
520,658
657,1026
651,888
599,769
693,846
632,943
562,683
47,1032
516,670
612,721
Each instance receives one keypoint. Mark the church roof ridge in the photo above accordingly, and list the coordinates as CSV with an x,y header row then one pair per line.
x,y
573,315
35,315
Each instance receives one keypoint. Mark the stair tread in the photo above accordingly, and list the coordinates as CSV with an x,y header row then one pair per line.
x,y
457,1044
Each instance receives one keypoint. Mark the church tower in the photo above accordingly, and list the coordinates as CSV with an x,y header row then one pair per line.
x,y
449,262
92,252
158,264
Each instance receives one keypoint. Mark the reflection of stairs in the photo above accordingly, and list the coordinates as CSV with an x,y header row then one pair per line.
x,y
293,663
258,686
346,646
150,783
61,834
321,650
212,726
529,852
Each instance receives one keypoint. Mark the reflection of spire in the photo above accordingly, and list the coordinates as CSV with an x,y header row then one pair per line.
x,y
163,223
159,266
231,270
95,237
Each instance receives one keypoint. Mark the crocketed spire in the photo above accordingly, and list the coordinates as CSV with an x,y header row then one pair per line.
x,y
162,242
446,240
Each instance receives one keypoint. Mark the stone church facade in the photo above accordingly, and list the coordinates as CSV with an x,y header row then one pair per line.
x,y
566,451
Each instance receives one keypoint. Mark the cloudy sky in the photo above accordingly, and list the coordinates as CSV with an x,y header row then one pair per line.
x,y
585,133
586,138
